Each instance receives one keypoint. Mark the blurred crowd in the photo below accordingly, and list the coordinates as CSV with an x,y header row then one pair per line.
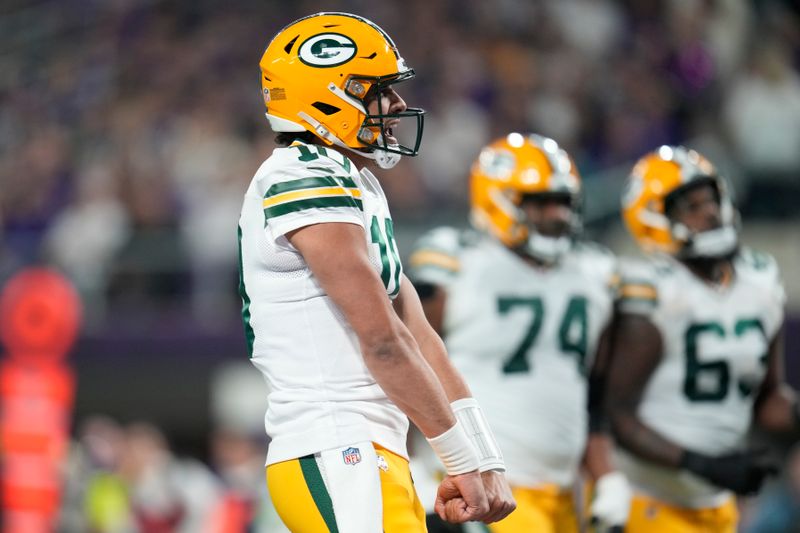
x,y
127,475
126,479
129,129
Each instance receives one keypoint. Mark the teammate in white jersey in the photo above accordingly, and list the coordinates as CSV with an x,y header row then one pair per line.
x,y
332,323
523,308
698,350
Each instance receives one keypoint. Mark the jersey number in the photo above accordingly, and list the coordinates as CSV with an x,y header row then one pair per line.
x,y
715,375
571,334
388,251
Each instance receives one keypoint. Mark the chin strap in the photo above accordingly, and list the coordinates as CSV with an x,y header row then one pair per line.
x,y
547,249
712,243
384,159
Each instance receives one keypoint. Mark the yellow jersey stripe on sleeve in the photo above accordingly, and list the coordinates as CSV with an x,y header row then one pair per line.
x,y
319,192
422,258
642,292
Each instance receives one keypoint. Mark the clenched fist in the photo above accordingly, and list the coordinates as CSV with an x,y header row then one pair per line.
x,y
461,498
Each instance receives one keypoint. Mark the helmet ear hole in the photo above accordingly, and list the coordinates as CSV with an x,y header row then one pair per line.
x,y
328,109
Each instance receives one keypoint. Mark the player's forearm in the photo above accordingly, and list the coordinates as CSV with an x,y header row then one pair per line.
x,y
408,380
410,310
597,456
642,441
598,416
776,408
778,411
435,353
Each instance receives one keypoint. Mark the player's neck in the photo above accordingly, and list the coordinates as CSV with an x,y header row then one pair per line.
x,y
535,262
714,271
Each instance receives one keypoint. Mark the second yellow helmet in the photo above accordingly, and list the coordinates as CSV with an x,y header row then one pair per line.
x,y
505,172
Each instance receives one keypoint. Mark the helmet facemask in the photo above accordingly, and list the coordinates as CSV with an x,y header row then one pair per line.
x,y
548,240
377,129
715,243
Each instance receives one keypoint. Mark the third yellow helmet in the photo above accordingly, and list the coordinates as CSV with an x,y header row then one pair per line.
x,y
668,171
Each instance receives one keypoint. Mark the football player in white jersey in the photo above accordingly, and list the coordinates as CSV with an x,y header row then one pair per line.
x,y
523,307
332,323
697,350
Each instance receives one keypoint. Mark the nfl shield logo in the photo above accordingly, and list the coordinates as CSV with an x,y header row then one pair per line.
x,y
351,456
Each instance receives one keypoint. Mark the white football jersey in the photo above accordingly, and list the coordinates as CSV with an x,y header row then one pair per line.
x,y
524,338
321,394
714,358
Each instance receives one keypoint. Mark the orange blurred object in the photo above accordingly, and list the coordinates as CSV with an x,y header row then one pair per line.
x,y
40,316
40,313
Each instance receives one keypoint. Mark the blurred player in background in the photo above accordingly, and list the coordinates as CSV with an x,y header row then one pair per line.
x,y
524,309
332,323
698,350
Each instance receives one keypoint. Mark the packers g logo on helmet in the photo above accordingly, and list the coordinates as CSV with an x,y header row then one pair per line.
x,y
497,164
327,50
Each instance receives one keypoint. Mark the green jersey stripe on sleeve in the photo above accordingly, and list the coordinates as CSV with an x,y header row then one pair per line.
x,y
312,203
346,181
302,183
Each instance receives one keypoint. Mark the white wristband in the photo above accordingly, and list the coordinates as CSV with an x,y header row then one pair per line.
x,y
612,500
455,450
470,415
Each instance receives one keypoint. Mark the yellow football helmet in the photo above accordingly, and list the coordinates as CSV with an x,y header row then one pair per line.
x,y
656,176
509,169
317,75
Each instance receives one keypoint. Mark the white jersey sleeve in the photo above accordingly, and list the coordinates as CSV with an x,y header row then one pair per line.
x,y
435,258
763,271
637,291
300,191
600,265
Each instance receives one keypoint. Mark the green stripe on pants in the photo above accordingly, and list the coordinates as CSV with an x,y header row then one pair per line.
x,y
319,491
